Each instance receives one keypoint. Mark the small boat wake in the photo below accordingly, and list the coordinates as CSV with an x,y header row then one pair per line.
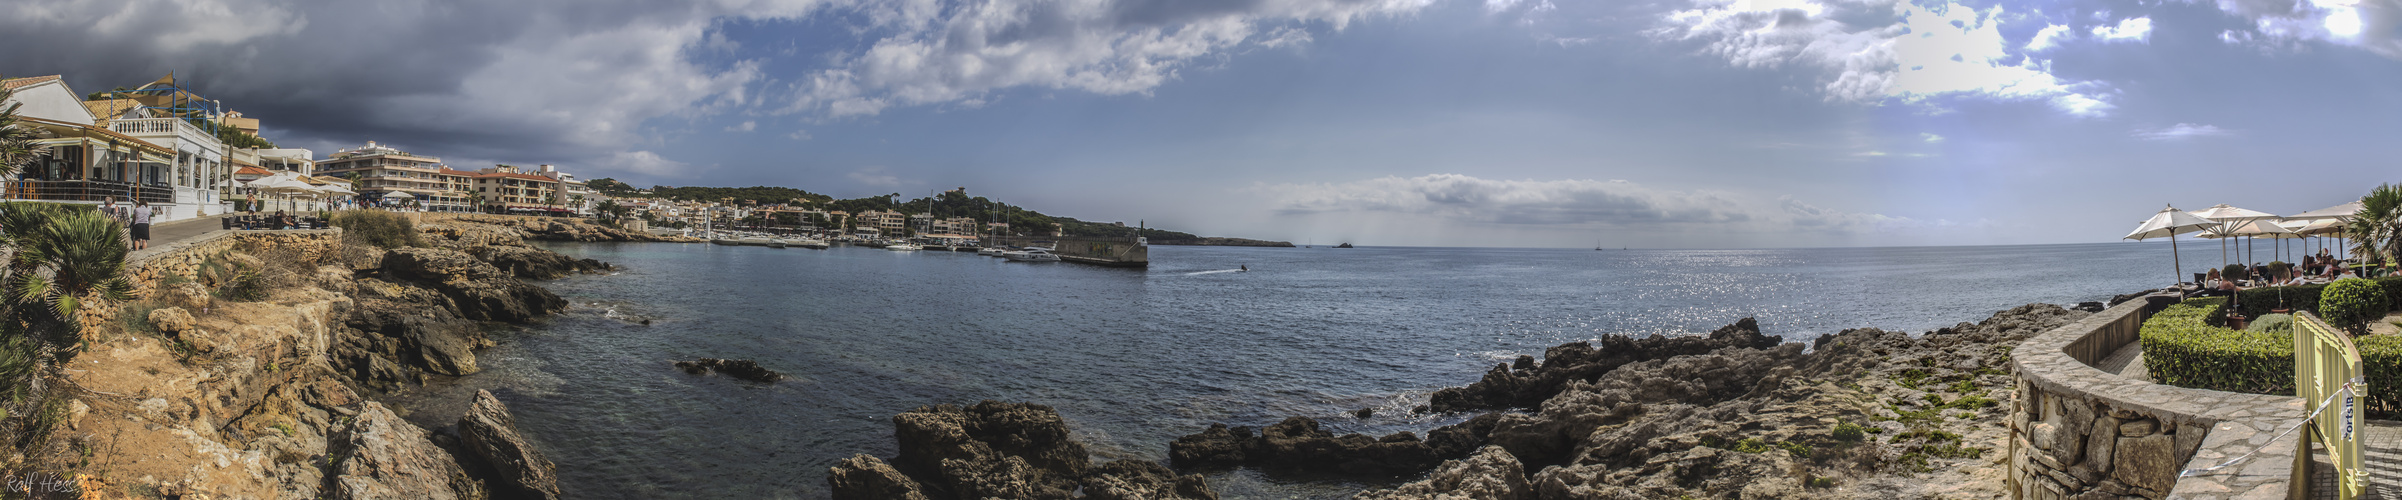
x,y
1198,273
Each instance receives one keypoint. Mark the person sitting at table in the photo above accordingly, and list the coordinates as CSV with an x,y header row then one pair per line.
x,y
280,221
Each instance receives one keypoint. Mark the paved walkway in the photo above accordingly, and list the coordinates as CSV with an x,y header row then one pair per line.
x,y
166,235
2127,362
2381,453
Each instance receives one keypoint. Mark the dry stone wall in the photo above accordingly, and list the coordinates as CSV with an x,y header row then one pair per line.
x,y
2078,432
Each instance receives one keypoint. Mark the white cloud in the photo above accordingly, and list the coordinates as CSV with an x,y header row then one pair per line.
x,y
746,126
1564,202
2050,38
1930,53
2133,29
931,53
1930,138
2181,131
875,176
644,162
2372,25
800,135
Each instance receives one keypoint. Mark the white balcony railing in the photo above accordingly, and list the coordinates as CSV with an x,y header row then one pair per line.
x,y
148,126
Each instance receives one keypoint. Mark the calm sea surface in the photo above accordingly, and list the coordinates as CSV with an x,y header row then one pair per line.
x,y
1134,358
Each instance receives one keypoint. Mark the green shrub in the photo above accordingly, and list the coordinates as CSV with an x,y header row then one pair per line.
x,y
2279,323
2181,348
2381,364
2352,304
2235,271
2257,302
1848,431
378,228
2393,290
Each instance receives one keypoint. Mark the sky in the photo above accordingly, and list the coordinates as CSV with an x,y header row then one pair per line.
x,y
1521,123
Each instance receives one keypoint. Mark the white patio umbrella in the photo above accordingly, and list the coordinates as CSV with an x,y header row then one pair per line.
x,y
2338,213
2310,228
2230,218
283,184
2265,228
2170,222
2343,211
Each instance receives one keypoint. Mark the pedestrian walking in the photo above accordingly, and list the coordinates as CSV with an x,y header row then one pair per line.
x,y
141,224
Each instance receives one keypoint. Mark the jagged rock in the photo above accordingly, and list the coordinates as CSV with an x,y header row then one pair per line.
x,y
535,263
990,449
2090,307
423,330
737,368
477,290
389,458
1525,383
1000,450
187,295
1297,445
864,477
1490,474
490,433
1144,480
171,320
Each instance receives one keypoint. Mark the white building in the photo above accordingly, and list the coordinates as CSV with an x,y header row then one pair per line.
x,y
141,147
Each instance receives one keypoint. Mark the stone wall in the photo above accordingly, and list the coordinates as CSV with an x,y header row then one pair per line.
x,y
2079,432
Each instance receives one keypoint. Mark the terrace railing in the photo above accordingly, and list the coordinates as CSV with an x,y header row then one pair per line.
x,y
2327,375
90,190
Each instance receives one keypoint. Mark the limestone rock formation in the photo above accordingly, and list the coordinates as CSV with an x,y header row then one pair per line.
x,y
535,263
478,290
490,433
1490,474
1000,450
1526,382
389,458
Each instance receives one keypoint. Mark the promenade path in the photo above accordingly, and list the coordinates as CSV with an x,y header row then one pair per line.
x,y
168,235
2381,441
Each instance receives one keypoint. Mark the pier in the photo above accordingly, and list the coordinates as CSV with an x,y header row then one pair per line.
x,y
1111,252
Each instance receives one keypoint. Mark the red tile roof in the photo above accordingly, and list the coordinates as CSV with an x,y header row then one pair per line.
x,y
18,83
253,171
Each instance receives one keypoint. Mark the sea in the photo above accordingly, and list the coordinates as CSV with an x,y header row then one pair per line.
x,y
1133,358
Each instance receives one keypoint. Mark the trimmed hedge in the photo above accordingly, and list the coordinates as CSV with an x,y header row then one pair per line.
x,y
2180,348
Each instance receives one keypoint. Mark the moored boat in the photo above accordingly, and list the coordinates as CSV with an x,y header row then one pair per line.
x,y
1031,255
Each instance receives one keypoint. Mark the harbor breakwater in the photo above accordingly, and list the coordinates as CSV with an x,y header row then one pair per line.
x,y
256,364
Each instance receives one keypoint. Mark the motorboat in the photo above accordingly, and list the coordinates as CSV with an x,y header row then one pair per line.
x,y
725,241
757,241
808,243
776,243
902,247
990,251
1031,255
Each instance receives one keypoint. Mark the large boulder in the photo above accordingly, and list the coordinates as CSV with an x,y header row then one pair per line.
x,y
423,329
864,477
535,263
1000,450
489,432
737,368
389,458
1144,480
1490,474
1298,445
1021,449
1526,383
477,290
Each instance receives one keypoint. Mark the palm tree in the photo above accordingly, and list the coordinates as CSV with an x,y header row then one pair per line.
x,y
17,150
2376,230
62,257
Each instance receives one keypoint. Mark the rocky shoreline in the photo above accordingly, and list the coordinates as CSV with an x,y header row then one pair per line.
x,y
1732,414
255,371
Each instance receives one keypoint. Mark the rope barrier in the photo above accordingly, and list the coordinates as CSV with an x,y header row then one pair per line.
x,y
2306,421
